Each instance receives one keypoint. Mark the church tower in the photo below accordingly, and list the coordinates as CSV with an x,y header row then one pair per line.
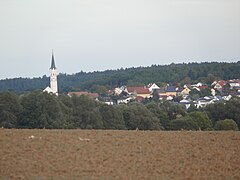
x,y
53,76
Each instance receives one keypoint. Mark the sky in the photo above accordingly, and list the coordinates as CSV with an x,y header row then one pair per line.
x,y
96,35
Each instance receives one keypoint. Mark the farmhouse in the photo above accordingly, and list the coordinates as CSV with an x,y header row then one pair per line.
x,y
139,91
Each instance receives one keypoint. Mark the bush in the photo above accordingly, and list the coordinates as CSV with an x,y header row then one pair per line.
x,y
202,120
183,123
227,124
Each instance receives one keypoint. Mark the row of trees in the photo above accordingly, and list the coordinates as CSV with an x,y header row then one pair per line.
x,y
97,81
42,110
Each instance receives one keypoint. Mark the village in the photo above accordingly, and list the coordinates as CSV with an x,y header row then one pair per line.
x,y
199,94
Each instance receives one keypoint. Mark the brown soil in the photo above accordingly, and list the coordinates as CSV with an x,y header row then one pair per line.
x,y
90,154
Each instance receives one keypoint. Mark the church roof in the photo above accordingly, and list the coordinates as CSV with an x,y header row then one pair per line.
x,y
53,66
48,90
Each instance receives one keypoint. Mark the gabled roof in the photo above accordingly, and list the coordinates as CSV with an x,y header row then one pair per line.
x,y
92,95
221,82
152,86
48,90
138,90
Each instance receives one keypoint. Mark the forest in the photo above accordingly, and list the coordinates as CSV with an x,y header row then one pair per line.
x,y
40,110
173,74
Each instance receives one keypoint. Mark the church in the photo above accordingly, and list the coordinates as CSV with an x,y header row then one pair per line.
x,y
53,79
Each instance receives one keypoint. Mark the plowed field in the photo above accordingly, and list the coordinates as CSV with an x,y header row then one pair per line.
x,y
90,154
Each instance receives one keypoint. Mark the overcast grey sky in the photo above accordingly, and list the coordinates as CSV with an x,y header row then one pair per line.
x,y
92,35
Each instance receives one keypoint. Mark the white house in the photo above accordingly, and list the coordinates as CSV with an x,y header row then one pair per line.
x,y
152,87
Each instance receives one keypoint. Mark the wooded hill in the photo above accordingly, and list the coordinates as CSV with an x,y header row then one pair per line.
x,y
89,81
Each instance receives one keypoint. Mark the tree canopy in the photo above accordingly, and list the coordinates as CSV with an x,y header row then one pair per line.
x,y
100,81
42,110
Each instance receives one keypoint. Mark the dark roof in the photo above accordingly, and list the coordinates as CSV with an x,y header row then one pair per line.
x,y
171,89
160,90
53,63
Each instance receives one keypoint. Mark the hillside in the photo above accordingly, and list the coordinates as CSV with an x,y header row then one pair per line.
x,y
173,74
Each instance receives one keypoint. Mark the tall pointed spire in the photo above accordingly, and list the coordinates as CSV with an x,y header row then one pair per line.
x,y
53,62
53,76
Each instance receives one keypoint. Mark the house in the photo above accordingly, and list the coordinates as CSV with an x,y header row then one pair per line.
x,y
139,91
117,91
218,85
167,92
203,87
213,92
184,91
107,100
91,95
203,102
120,90
234,84
227,98
171,91
197,85
186,103
152,87
124,100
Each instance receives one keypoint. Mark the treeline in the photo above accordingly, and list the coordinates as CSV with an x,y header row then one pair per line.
x,y
42,110
173,74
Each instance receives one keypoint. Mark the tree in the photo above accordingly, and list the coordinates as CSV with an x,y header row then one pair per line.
x,y
160,114
201,120
173,110
138,116
66,106
130,76
192,108
40,110
102,90
210,79
10,109
8,120
91,119
183,123
112,117
226,124
232,110
86,113
155,96
225,110
216,112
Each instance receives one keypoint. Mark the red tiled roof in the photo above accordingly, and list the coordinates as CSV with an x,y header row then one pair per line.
x,y
92,95
138,90
203,87
222,82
